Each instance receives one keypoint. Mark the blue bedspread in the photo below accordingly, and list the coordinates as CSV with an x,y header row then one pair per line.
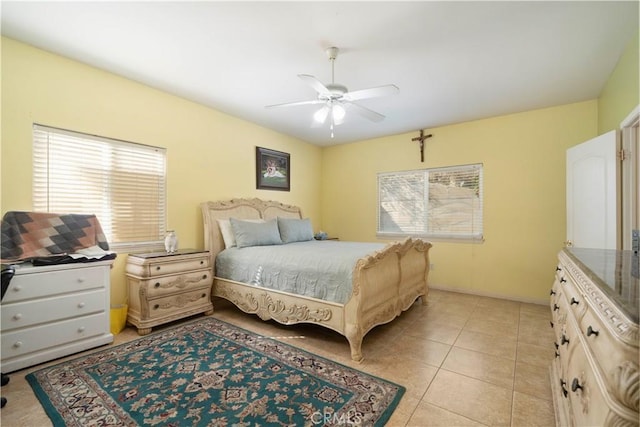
x,y
318,269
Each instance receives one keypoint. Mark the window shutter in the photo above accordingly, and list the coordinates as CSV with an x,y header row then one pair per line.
x,y
122,183
436,203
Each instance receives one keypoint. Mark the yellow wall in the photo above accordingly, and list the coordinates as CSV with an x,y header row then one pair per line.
x,y
211,155
524,194
621,94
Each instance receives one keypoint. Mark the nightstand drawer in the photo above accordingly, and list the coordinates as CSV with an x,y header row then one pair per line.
x,y
177,266
168,305
161,286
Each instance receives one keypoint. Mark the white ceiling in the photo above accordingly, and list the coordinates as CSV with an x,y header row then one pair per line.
x,y
453,61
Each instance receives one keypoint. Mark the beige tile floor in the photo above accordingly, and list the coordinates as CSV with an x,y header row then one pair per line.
x,y
464,360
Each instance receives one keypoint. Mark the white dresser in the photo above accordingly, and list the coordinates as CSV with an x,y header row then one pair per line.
x,y
52,311
594,304
165,287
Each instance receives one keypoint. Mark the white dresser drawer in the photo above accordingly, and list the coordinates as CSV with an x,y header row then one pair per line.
x,y
36,284
24,341
27,313
162,286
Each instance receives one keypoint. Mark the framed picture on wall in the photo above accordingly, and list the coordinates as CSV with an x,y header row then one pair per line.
x,y
273,170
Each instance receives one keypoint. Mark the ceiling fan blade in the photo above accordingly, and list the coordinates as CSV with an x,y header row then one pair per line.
x,y
373,92
365,112
292,104
316,84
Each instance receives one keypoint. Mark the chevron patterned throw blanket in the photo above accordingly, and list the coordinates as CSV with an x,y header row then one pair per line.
x,y
29,235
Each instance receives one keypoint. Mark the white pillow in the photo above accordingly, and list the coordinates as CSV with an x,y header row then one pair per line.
x,y
227,231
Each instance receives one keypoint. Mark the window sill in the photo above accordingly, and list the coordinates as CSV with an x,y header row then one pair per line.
x,y
432,238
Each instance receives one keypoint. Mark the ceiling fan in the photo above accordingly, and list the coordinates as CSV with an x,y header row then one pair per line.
x,y
336,98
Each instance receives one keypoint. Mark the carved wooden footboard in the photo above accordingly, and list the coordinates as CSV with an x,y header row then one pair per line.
x,y
385,283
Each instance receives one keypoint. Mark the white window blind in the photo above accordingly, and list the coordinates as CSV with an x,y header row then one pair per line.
x,y
122,183
441,203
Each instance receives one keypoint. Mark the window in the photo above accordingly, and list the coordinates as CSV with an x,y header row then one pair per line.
x,y
122,183
441,203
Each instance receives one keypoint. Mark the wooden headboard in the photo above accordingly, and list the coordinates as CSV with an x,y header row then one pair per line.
x,y
239,209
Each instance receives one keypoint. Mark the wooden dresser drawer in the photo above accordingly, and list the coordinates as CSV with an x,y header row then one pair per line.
x,y
35,285
43,310
166,285
610,352
168,305
162,266
585,390
24,341
572,294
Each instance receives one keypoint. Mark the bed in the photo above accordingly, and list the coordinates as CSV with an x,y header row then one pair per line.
x,y
384,282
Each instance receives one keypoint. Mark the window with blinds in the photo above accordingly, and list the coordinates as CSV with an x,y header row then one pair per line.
x,y
443,203
122,183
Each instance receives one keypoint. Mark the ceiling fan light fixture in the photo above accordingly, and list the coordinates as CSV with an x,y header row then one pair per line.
x,y
338,112
321,115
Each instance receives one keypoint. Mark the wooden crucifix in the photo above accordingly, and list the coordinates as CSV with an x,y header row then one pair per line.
x,y
421,139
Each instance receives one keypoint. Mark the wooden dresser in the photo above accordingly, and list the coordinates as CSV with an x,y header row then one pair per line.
x,y
594,304
52,311
165,287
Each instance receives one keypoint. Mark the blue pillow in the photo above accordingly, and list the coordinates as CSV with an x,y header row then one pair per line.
x,y
295,230
255,233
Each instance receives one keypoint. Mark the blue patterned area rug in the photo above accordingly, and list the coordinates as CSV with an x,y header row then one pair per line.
x,y
210,373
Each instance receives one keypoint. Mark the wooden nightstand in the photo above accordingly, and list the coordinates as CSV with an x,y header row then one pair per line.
x,y
165,287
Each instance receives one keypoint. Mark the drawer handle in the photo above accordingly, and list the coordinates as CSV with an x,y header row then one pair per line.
x,y
574,301
204,276
17,316
158,268
552,292
81,329
558,269
157,306
17,288
203,295
556,307
565,392
591,331
81,305
564,340
157,285
201,262
563,280
575,385
17,344
81,279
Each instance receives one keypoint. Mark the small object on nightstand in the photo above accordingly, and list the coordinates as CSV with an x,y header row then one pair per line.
x,y
171,242
320,235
